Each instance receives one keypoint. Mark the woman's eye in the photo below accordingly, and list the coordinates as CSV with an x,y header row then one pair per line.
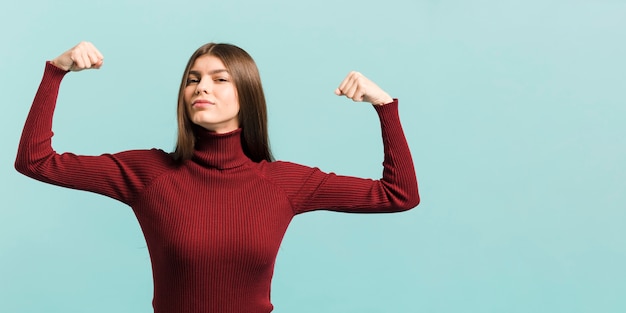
x,y
192,81
221,80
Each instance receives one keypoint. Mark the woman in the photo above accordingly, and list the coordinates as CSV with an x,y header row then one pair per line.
x,y
215,211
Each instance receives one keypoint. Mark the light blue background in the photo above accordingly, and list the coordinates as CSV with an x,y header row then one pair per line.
x,y
514,111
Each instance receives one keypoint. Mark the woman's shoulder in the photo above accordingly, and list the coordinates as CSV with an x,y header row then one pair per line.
x,y
146,158
284,172
152,153
281,166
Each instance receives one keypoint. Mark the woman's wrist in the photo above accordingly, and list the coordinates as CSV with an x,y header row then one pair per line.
x,y
383,101
56,64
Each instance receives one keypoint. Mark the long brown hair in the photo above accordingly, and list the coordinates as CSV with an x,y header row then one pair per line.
x,y
252,107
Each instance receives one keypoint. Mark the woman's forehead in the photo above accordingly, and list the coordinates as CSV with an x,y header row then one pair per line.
x,y
207,64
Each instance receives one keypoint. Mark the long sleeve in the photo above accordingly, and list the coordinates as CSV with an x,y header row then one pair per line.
x,y
121,176
311,189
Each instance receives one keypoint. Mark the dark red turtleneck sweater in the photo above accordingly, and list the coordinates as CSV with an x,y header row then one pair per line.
x,y
213,224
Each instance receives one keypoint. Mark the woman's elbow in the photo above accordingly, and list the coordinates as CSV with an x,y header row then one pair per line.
x,y
402,199
402,203
24,165
409,202
415,201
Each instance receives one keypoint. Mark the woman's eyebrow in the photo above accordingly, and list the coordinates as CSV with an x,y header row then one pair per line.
x,y
218,71
213,72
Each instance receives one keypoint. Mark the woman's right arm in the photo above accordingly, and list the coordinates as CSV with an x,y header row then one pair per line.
x,y
121,176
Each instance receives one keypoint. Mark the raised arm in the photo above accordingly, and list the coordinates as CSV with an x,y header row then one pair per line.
x,y
120,176
311,189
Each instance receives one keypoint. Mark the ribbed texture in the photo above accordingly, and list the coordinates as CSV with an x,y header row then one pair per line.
x,y
214,224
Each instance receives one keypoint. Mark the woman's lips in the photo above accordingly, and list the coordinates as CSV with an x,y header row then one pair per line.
x,y
202,104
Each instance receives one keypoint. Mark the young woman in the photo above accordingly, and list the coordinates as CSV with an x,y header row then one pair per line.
x,y
215,210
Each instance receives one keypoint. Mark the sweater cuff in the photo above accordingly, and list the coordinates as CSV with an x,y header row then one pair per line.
x,y
54,71
388,111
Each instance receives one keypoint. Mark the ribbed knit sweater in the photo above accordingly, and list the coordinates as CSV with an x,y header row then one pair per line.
x,y
213,224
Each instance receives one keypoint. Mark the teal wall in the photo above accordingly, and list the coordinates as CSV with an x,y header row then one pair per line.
x,y
515,112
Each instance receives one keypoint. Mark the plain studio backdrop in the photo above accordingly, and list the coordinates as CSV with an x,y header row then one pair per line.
x,y
515,112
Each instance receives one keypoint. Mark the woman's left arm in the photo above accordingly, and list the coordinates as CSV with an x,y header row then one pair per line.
x,y
311,189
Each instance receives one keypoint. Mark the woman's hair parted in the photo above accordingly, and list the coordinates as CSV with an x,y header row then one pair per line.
x,y
252,107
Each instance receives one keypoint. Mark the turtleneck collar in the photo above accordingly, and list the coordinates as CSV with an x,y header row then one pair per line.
x,y
221,151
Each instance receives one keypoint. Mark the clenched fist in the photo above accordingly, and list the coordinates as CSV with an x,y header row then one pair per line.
x,y
359,88
82,56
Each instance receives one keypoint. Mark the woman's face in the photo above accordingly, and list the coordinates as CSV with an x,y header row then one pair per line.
x,y
210,95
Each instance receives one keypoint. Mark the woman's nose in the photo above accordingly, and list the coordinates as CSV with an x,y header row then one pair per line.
x,y
204,86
